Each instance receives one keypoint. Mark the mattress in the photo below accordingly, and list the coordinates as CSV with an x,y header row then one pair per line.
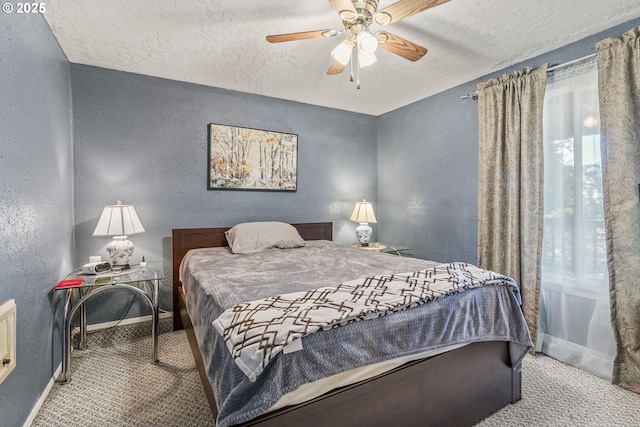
x,y
214,280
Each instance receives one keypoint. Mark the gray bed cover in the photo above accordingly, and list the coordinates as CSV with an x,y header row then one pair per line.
x,y
214,279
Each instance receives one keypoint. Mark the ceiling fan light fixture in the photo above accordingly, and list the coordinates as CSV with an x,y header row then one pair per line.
x,y
342,52
357,17
366,60
367,43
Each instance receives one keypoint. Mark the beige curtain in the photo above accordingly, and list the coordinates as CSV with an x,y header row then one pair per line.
x,y
619,94
510,205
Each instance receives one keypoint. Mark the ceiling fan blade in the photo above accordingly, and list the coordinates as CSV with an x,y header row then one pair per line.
x,y
336,68
404,8
340,5
400,46
277,38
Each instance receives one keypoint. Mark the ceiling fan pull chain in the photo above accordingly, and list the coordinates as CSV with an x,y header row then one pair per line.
x,y
353,51
356,59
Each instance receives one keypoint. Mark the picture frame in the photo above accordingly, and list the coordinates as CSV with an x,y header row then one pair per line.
x,y
252,159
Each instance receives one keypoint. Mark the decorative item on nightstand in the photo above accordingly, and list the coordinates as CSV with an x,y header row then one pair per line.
x,y
363,214
119,221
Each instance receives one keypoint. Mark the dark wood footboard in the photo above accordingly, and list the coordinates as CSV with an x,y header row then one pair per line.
x,y
457,388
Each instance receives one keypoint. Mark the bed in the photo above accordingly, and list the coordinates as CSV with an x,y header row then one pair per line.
x,y
460,386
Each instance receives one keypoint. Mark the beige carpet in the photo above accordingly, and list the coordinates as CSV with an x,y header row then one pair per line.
x,y
114,384
557,394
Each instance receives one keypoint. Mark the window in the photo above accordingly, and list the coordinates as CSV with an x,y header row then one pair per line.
x,y
574,301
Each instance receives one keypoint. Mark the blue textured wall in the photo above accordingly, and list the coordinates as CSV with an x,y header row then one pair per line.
x,y
428,186
36,205
143,140
428,165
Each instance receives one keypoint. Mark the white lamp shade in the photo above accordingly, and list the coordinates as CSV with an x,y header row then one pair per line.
x,y
342,52
118,220
366,60
367,43
363,213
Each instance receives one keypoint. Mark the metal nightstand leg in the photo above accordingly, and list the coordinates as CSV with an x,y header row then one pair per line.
x,y
65,376
156,317
83,327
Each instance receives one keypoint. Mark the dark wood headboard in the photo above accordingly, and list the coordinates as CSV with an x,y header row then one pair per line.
x,y
185,239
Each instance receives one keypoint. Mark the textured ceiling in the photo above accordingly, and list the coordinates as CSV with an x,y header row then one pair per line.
x,y
221,43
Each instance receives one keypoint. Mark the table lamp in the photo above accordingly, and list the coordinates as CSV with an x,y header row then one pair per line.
x,y
363,214
119,221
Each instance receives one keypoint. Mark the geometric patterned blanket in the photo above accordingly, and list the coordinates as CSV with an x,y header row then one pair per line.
x,y
255,332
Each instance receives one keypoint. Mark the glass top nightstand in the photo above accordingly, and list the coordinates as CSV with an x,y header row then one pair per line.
x,y
398,250
371,247
387,249
133,275
143,280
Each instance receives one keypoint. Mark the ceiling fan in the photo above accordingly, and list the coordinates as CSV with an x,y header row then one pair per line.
x,y
360,44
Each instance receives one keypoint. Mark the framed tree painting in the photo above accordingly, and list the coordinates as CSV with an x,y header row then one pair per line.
x,y
252,159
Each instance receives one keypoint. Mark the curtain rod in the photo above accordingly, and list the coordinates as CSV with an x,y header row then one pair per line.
x,y
474,94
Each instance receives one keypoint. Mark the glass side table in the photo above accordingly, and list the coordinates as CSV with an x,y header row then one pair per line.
x,y
143,280
398,250
387,249
372,247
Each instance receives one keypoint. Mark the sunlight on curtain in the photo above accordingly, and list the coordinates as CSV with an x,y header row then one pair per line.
x,y
574,323
510,153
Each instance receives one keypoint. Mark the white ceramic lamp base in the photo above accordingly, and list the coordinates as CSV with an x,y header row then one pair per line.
x,y
120,250
363,231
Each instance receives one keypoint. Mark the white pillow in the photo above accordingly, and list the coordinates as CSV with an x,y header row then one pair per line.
x,y
251,237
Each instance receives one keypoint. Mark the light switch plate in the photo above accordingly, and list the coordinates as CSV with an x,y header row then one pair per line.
x,y
7,338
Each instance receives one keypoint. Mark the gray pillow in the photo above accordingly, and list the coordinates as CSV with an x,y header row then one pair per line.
x,y
251,237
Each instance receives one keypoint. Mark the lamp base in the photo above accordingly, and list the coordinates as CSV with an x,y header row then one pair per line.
x,y
120,250
363,231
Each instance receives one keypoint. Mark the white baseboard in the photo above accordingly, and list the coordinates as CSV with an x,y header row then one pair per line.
x,y
43,397
123,322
